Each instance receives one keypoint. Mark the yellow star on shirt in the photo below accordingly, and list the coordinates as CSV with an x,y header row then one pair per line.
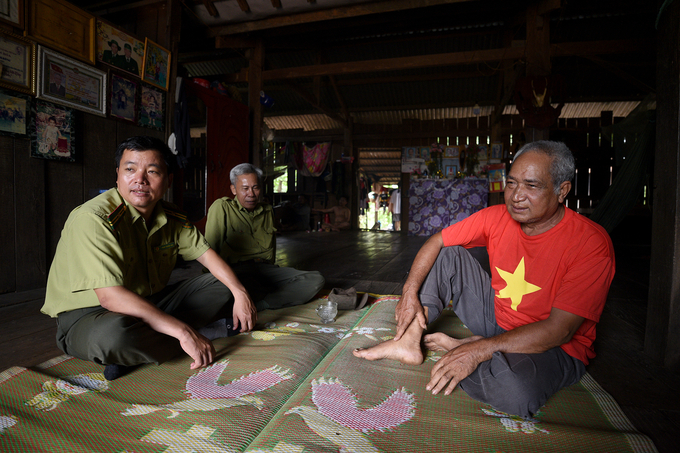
x,y
516,287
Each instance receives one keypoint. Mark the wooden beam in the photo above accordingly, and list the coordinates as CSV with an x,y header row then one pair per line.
x,y
317,104
243,4
276,4
256,62
583,49
622,74
210,6
662,333
328,14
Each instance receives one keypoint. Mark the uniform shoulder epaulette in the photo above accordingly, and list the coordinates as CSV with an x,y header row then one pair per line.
x,y
116,216
173,213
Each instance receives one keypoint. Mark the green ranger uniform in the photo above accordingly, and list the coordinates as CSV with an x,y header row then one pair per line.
x,y
106,242
246,241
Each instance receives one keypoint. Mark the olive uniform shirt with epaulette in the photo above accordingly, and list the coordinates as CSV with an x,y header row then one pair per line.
x,y
106,242
237,234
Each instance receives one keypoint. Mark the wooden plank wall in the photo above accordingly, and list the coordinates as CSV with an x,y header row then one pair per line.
x,y
39,194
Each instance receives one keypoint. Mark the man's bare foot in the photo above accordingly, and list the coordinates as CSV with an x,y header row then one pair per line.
x,y
407,350
441,342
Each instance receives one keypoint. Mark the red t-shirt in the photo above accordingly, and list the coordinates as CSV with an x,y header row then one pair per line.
x,y
569,267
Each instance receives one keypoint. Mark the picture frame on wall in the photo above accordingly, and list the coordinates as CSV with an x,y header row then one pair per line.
x,y
452,152
12,12
52,131
69,82
15,110
451,171
151,108
156,65
123,94
17,62
496,151
118,49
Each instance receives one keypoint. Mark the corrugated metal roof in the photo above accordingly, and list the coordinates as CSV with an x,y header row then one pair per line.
x,y
320,121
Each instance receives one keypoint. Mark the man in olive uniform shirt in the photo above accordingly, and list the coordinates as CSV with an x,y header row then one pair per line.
x,y
107,283
242,231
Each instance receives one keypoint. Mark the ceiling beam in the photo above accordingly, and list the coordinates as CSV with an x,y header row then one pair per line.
x,y
243,4
276,4
582,49
328,14
210,6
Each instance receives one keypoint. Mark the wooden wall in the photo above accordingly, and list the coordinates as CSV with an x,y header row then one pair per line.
x,y
38,195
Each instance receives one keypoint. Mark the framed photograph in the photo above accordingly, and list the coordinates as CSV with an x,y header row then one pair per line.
x,y
451,171
156,64
17,62
497,177
69,82
483,155
52,134
152,108
123,98
15,109
425,153
452,151
12,12
496,151
119,49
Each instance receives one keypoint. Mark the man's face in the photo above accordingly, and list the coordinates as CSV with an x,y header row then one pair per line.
x,y
247,191
114,49
529,193
142,179
342,201
127,52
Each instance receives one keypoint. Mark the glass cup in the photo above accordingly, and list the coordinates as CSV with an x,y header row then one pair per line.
x,y
327,310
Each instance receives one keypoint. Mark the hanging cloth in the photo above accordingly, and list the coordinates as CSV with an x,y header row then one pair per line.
x,y
312,161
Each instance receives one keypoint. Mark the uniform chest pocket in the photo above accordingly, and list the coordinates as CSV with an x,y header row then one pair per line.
x,y
165,256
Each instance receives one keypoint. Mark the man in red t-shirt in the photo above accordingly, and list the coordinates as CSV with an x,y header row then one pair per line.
x,y
533,320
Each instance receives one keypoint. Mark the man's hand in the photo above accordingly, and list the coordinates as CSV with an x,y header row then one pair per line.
x,y
455,366
198,348
245,313
408,309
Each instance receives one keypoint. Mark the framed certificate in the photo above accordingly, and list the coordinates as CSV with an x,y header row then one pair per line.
x,y
17,63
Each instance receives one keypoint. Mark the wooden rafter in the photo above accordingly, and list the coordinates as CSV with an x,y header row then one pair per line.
x,y
583,49
276,4
243,4
362,9
210,6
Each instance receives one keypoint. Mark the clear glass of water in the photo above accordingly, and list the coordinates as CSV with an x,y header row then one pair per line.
x,y
327,311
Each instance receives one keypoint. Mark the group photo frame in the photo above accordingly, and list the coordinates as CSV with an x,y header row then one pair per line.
x,y
119,49
18,62
52,131
15,111
123,97
156,65
151,108
66,81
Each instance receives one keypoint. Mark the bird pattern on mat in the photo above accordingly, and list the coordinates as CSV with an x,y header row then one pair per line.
x,y
338,419
6,422
205,394
56,392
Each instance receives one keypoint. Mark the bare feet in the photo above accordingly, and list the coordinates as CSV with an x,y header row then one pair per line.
x,y
407,350
441,342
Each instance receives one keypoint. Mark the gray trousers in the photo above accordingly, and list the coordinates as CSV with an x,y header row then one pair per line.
x,y
517,384
105,337
273,287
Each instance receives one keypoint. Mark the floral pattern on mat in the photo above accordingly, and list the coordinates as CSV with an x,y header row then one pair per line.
x,y
435,204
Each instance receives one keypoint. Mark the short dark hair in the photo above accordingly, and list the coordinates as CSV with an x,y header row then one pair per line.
x,y
146,143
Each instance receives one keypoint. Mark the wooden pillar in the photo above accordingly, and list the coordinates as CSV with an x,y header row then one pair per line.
x,y
538,52
255,67
662,336
173,25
